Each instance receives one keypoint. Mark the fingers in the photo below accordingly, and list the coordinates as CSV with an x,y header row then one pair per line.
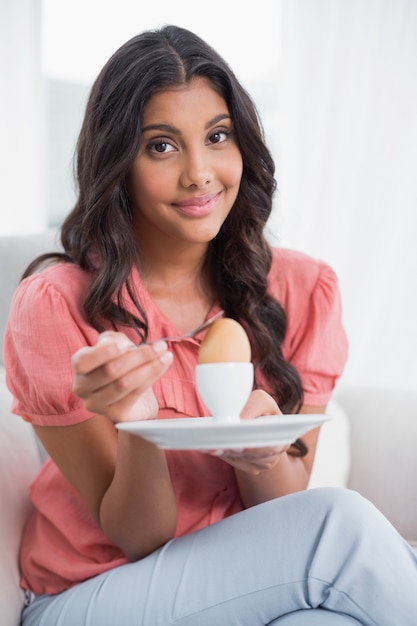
x,y
110,345
260,403
115,369
255,460
252,460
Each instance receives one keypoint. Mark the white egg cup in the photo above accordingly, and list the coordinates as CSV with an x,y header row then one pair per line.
x,y
225,388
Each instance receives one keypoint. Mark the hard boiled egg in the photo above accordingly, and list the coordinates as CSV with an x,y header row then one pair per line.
x,y
226,341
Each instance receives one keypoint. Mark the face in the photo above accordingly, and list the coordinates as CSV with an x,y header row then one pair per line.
x,y
186,175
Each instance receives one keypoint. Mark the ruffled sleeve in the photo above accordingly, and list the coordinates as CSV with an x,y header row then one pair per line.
x,y
316,342
45,328
319,347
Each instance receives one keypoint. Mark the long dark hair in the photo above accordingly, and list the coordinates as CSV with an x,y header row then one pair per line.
x,y
98,235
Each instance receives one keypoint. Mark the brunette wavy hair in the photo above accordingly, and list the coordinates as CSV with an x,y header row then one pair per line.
x,y
98,234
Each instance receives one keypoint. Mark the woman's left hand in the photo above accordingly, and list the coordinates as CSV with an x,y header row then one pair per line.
x,y
255,460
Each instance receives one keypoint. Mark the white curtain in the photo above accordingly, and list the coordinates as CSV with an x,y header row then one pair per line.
x,y
347,169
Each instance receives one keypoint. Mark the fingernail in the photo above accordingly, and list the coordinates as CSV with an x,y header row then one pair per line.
x,y
124,343
166,357
218,452
160,346
103,339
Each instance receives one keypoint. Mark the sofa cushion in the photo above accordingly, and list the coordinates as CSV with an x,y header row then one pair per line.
x,y
19,462
383,427
332,461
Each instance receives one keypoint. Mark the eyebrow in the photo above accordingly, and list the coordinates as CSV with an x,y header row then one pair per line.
x,y
176,131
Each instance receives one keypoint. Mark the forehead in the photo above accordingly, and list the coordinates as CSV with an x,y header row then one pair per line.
x,y
175,104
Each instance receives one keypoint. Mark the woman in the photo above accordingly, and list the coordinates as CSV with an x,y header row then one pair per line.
x,y
175,189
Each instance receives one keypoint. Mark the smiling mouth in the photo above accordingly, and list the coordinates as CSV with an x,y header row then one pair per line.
x,y
198,206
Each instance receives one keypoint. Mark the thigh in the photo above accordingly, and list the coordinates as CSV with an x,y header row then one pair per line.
x,y
307,550
314,617
224,574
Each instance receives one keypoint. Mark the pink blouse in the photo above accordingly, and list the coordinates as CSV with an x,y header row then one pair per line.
x,y
62,544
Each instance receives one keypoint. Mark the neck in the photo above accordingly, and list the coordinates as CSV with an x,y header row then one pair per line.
x,y
172,265
172,270
174,277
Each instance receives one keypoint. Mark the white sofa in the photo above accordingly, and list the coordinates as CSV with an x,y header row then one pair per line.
x,y
369,445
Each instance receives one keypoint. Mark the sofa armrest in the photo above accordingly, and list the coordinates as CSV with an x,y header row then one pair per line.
x,y
383,442
19,462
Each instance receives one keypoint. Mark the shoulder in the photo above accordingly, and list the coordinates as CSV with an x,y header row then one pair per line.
x,y
66,278
308,290
292,263
50,302
294,275
63,285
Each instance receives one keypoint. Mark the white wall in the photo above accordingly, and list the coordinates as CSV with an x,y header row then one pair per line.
x,y
22,155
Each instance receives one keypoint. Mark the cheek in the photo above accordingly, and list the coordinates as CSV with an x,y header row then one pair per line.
x,y
147,185
233,169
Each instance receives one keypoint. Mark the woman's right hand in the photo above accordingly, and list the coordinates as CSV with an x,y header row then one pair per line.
x,y
114,378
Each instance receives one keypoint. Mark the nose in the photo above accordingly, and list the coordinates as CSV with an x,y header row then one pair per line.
x,y
196,168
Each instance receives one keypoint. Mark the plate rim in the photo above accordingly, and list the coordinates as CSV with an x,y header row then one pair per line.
x,y
193,434
208,421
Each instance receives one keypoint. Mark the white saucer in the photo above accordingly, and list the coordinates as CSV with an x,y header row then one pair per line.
x,y
204,433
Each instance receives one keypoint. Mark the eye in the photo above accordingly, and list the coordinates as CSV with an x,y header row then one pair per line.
x,y
219,136
159,146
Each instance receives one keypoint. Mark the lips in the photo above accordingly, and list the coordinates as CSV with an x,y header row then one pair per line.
x,y
199,205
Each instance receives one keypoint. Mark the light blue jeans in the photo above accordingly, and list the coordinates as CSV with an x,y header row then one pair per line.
x,y
318,557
